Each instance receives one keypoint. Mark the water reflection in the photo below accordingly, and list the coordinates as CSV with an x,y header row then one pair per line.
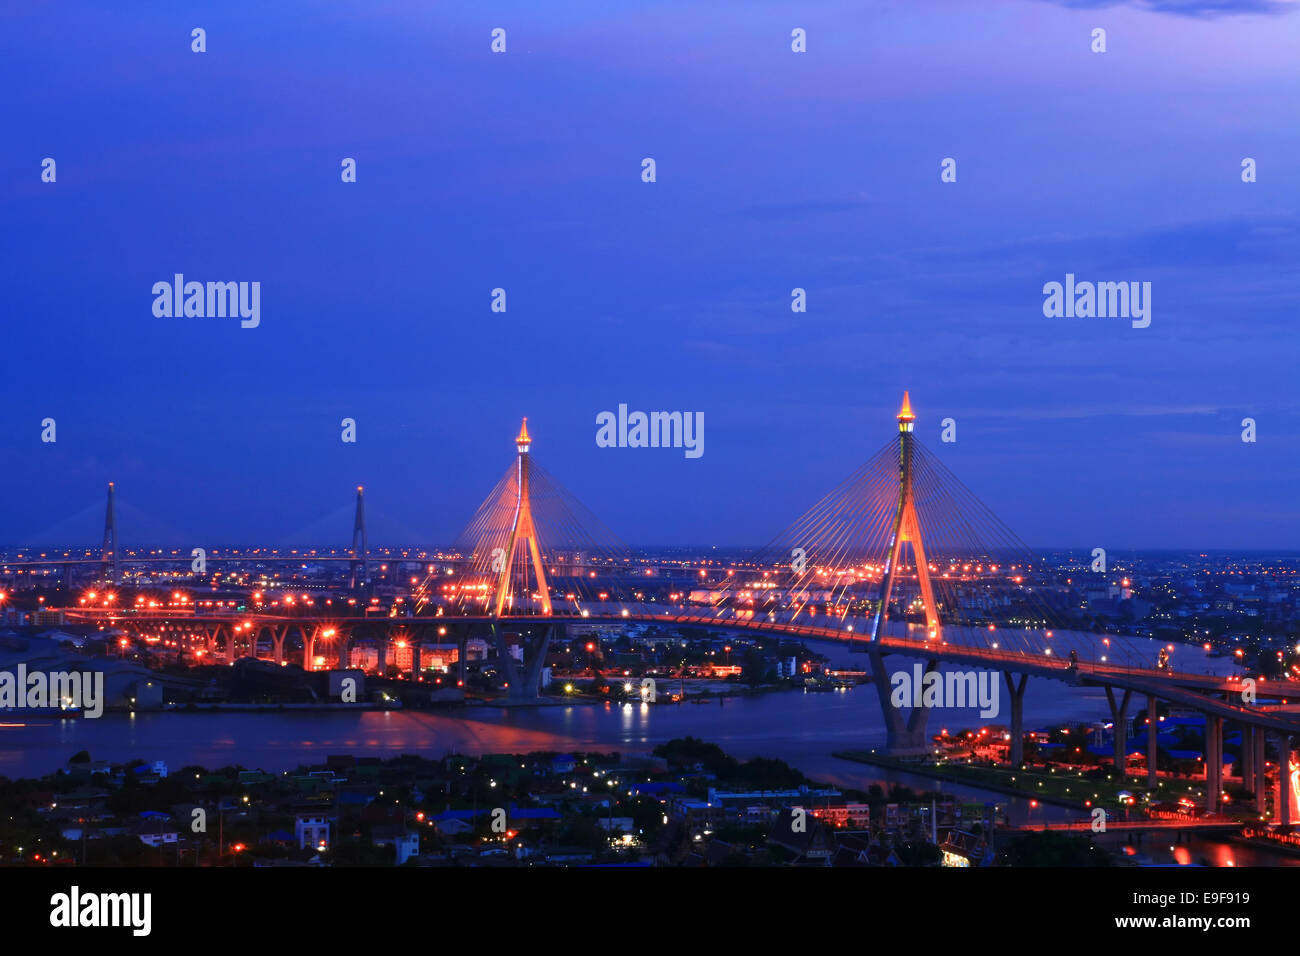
x,y
803,729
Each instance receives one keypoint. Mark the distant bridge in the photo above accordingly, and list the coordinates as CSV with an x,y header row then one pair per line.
x,y
840,573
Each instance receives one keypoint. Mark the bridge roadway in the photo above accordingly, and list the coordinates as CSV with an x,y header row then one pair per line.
x,y
212,557
1179,824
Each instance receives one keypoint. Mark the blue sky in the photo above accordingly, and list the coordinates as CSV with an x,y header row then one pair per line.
x,y
775,170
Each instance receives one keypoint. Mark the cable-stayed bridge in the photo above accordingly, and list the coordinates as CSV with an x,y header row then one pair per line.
x,y
898,560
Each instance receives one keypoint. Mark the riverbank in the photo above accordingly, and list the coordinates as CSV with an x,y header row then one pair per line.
x,y
1072,790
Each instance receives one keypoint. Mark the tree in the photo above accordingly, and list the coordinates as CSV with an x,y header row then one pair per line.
x,y
1051,849
918,854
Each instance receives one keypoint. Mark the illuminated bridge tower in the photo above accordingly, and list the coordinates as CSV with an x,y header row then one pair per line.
x,y
523,535
907,528
111,568
360,555
905,733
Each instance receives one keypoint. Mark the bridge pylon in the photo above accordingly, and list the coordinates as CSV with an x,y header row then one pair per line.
x,y
906,529
360,555
904,736
522,539
532,552
111,568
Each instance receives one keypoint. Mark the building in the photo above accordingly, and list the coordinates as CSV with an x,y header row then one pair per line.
x,y
158,832
563,763
312,830
855,815
405,842
808,840
698,815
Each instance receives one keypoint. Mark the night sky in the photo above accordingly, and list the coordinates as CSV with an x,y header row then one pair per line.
x,y
522,170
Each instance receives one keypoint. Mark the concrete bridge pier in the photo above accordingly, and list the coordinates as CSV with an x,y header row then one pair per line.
x,y
1213,761
904,737
505,662
1017,691
308,645
1119,722
1247,755
1283,810
1153,730
532,683
524,677
415,661
278,635
210,635
254,636
1261,770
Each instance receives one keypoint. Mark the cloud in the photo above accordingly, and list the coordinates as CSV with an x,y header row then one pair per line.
x,y
1203,9
1272,239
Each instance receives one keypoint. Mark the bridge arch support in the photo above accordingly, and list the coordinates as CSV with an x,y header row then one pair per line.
x,y
906,735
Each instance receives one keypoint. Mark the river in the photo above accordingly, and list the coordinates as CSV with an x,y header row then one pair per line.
x,y
803,729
